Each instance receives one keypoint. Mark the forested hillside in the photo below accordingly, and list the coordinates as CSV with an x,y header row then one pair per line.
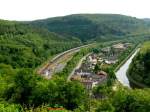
x,y
140,68
26,45
23,46
94,26
22,49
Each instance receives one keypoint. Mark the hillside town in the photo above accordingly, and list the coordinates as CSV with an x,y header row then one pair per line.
x,y
90,73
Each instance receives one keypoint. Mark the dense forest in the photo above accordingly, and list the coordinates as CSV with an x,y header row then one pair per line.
x,y
139,69
24,46
94,26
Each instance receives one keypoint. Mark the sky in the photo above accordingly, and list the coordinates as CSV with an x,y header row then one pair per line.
x,y
24,10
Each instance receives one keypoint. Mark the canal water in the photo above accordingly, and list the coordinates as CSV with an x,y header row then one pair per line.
x,y
121,73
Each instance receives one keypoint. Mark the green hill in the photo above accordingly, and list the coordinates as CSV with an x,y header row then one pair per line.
x,y
94,26
23,46
28,44
139,70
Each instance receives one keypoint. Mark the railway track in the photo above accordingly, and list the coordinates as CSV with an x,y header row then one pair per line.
x,y
58,61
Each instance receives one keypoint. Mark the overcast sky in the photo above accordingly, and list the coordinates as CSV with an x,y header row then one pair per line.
x,y
39,9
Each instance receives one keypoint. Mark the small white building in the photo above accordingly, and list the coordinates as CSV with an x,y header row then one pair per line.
x,y
110,61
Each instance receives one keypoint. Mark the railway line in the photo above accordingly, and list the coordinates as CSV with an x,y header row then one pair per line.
x,y
58,62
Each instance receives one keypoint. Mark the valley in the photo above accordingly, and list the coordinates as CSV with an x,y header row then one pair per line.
x,y
75,63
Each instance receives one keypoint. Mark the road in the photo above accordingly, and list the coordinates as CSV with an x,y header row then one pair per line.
x,y
58,62
77,67
121,73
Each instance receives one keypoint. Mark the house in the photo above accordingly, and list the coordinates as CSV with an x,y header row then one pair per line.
x,y
103,75
127,45
76,77
82,72
89,84
110,61
119,47
92,59
100,60
46,72
106,50
89,79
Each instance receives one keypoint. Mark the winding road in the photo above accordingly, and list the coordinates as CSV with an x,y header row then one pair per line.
x,y
121,73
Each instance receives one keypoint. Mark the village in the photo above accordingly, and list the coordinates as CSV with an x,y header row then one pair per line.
x,y
90,73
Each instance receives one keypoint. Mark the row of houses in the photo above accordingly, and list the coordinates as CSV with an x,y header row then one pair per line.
x,y
89,79
108,55
111,53
86,75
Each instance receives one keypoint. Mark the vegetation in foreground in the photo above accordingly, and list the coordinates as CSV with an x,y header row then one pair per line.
x,y
23,90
